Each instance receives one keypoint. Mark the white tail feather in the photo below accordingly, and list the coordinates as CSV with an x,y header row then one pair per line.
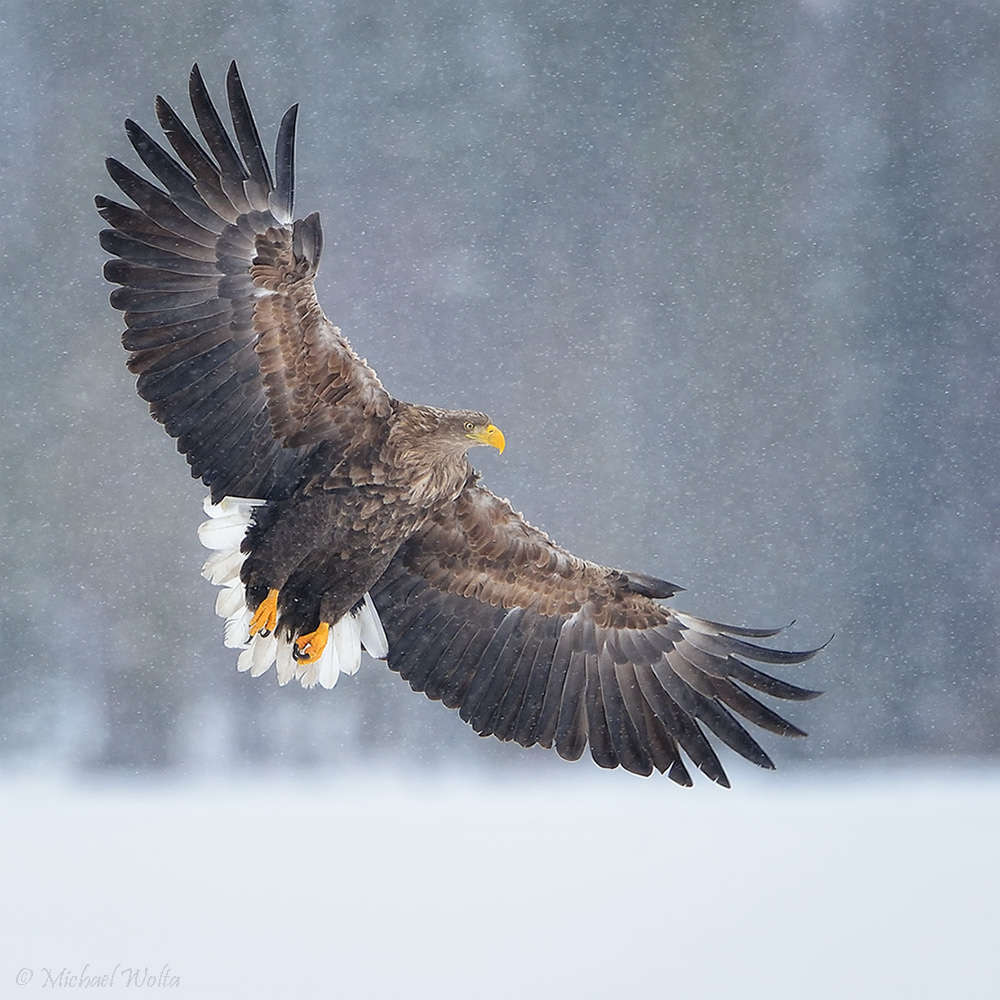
x,y
231,601
372,634
237,632
264,649
245,660
224,532
284,661
258,655
308,674
347,645
223,568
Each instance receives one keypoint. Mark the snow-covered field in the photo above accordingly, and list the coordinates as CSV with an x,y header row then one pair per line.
x,y
883,885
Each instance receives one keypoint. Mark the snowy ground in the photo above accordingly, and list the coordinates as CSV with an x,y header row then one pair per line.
x,y
883,885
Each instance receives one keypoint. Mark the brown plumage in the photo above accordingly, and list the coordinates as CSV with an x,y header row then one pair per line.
x,y
366,513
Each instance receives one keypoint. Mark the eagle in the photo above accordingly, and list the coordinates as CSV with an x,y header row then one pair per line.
x,y
342,519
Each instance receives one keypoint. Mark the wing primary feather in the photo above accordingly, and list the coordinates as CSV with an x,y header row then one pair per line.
x,y
166,169
716,664
282,199
212,129
176,179
629,741
727,728
703,624
700,681
208,177
259,184
131,249
716,685
662,747
678,773
754,711
185,145
136,301
157,205
138,224
681,725
709,711
767,684
726,645
138,276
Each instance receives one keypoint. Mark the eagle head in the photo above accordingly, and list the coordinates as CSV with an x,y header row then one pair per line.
x,y
454,432
477,428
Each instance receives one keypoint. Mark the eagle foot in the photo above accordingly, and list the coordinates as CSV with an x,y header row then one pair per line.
x,y
309,648
265,618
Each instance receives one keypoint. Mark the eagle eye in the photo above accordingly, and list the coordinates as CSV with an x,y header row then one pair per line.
x,y
469,425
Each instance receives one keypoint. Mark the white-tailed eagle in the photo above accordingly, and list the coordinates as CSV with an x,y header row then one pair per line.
x,y
342,518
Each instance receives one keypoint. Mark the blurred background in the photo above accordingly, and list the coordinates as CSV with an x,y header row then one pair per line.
x,y
724,273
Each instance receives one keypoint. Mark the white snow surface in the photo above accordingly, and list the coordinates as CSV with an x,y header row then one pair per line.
x,y
876,885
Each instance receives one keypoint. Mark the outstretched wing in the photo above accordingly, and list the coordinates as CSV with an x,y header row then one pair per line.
x,y
232,350
534,645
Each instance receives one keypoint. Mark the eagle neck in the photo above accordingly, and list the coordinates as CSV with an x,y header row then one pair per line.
x,y
425,467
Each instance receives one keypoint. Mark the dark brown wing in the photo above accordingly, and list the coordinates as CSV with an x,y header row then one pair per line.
x,y
535,645
232,350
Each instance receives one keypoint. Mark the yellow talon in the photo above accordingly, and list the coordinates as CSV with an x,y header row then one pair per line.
x,y
309,648
265,618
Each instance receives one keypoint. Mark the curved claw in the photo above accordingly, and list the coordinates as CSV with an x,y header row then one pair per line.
x,y
265,618
309,648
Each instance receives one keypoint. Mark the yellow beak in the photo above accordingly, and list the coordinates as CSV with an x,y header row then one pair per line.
x,y
490,435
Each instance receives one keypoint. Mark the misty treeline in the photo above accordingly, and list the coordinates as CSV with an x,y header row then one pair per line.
x,y
725,275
